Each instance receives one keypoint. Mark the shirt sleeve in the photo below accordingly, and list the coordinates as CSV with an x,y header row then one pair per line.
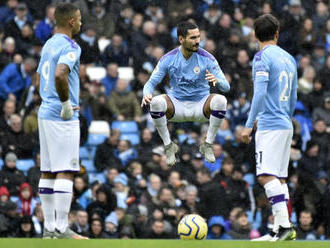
x,y
156,77
215,69
69,57
260,82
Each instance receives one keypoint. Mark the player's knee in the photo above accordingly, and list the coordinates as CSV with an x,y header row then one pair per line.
x,y
218,102
158,103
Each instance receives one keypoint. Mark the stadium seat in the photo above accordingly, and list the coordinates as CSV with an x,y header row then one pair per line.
x,y
1,163
125,126
89,165
96,139
126,73
24,164
249,178
84,153
103,43
132,137
96,73
99,127
96,177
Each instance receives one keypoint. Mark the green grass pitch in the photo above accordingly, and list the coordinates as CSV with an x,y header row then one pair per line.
x,y
116,243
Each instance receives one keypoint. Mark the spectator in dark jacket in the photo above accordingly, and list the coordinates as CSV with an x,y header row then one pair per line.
x,y
8,12
305,228
26,228
9,109
90,53
158,231
116,52
14,26
33,175
212,195
44,29
16,140
15,78
104,156
9,220
97,229
10,176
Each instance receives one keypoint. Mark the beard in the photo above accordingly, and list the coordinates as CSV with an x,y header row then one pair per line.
x,y
192,48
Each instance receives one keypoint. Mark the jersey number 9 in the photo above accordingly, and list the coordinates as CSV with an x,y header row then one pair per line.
x,y
45,71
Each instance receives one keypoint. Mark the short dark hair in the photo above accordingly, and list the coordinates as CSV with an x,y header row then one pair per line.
x,y
183,27
265,27
64,12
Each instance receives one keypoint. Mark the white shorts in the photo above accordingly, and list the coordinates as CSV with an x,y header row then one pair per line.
x,y
59,146
188,110
273,152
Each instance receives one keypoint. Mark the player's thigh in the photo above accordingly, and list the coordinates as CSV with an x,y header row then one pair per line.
x,y
64,146
200,113
44,153
178,107
206,107
286,148
267,153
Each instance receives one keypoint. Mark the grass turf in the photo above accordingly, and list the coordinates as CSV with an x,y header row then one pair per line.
x,y
117,243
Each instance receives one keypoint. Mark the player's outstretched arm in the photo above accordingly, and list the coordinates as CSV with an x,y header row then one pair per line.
x,y
215,76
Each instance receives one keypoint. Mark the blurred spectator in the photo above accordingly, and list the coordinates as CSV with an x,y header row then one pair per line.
x,y
238,112
105,202
319,55
146,146
320,136
221,31
191,203
321,16
101,19
97,229
224,133
44,29
33,175
111,174
154,12
31,120
7,12
9,109
323,112
153,186
14,26
137,182
81,226
26,202
219,156
217,229
125,152
121,190
38,220
226,171
308,38
325,74
123,103
15,78
104,157
116,52
125,224
9,220
87,40
26,229
241,227
82,193
212,196
10,176
163,36
211,16
110,80
7,53
315,98
111,225
305,83
123,24
4,195
141,222
16,140
305,228
158,231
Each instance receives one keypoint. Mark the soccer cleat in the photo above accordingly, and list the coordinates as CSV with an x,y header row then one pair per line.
x,y
285,234
47,234
266,237
207,150
68,234
170,151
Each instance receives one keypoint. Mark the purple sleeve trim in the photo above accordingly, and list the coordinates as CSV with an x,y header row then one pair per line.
x,y
205,53
73,44
170,53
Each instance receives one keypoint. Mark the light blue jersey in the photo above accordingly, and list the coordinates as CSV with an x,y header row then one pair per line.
x,y
59,49
274,74
187,76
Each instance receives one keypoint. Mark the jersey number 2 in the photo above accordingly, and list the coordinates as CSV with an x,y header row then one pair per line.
x,y
287,78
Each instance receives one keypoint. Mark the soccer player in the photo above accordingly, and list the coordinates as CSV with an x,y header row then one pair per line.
x,y
275,94
59,132
191,69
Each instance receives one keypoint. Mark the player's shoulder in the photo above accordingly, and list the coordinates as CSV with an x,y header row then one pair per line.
x,y
203,53
170,54
61,40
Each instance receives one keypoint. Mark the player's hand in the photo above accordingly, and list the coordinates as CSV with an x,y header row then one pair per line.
x,y
146,100
245,136
67,110
211,78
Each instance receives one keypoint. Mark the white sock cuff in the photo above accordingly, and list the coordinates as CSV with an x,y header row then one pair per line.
x,y
47,183
273,187
63,186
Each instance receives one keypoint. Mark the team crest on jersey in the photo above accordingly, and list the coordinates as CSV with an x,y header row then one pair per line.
x,y
71,56
197,69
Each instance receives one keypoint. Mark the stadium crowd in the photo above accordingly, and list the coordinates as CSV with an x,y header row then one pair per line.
x,y
134,193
